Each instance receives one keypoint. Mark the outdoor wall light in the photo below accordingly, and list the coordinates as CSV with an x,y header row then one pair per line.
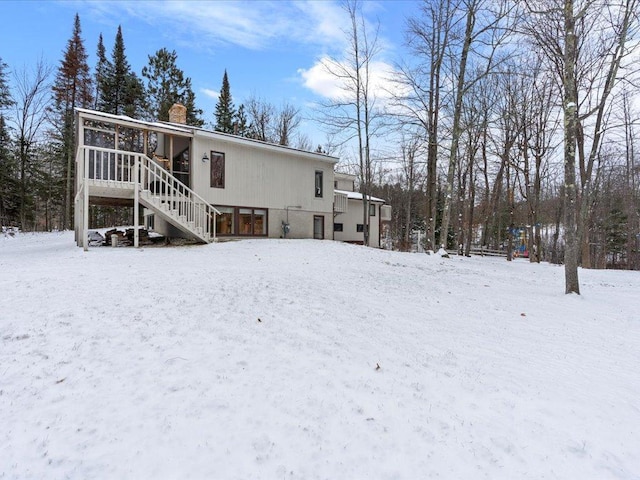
x,y
205,157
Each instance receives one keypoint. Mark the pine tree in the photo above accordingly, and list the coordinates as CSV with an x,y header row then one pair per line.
x,y
225,110
101,72
166,85
8,185
121,91
241,124
5,93
72,88
9,200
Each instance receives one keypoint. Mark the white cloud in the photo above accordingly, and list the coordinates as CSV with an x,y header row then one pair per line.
x,y
249,24
210,93
320,81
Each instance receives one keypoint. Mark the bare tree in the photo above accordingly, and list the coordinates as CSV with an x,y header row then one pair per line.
x,y
586,45
632,172
420,102
411,177
271,124
288,120
32,95
260,116
481,41
354,114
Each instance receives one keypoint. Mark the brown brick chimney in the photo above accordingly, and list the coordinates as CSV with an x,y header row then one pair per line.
x,y
178,114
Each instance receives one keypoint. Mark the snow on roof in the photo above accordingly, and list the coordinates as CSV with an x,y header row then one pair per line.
x,y
358,196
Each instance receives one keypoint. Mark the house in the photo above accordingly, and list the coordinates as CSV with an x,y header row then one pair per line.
x,y
348,223
186,181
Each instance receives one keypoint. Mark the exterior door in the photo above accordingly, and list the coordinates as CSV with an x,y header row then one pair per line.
x,y
318,227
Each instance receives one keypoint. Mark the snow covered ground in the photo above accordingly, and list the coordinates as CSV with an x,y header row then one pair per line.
x,y
259,360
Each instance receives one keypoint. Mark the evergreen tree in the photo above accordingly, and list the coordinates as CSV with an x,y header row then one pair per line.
x,y
9,198
72,88
241,124
121,91
225,110
101,72
8,184
166,85
5,93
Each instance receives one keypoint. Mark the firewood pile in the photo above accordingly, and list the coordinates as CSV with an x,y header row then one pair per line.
x,y
125,238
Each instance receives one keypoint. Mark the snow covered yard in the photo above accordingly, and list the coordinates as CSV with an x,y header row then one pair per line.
x,y
259,359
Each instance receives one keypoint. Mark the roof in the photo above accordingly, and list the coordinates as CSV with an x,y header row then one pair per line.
x,y
191,131
135,123
358,196
250,142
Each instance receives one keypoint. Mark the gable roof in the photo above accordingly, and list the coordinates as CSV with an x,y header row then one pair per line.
x,y
191,131
162,127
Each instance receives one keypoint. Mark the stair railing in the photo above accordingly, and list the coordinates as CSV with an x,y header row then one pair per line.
x,y
117,168
187,205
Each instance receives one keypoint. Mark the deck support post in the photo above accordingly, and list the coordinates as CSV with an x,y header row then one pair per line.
x,y
85,203
136,202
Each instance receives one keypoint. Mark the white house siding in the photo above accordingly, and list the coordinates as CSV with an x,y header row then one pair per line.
x,y
351,218
344,182
267,177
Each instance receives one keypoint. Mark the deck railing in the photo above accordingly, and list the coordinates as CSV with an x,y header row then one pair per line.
x,y
151,182
340,201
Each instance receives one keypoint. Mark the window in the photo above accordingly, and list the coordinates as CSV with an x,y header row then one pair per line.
x,y
224,221
241,221
360,227
217,169
252,221
372,209
245,221
181,166
319,183
259,222
337,227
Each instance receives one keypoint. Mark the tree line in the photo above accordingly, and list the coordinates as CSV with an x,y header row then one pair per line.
x,y
509,124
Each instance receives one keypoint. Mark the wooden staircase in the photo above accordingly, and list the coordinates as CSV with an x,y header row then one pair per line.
x,y
120,174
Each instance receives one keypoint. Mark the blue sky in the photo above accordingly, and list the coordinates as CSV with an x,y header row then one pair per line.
x,y
270,49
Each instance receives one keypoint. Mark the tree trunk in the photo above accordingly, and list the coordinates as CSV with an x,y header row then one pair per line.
x,y
455,128
570,131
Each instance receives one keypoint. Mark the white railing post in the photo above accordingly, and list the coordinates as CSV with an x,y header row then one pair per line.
x,y
136,201
85,203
